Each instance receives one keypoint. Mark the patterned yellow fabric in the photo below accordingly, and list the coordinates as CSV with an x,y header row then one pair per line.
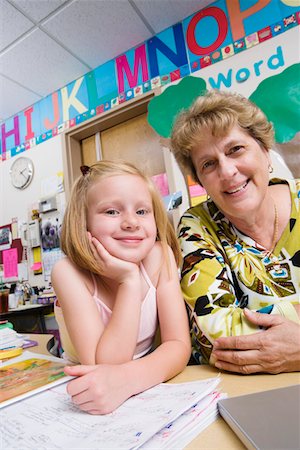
x,y
225,271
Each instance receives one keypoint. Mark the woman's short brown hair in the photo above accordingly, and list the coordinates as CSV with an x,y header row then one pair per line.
x,y
74,240
216,112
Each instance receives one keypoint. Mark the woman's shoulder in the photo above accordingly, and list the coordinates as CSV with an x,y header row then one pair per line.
x,y
285,189
202,218
292,183
196,211
295,186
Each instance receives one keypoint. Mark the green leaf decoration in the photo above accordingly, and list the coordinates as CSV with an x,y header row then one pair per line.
x,y
163,109
279,98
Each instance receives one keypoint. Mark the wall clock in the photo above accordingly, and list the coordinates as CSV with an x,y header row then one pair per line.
x,y
21,172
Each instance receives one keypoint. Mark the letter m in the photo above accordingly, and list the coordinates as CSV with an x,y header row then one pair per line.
x,y
123,67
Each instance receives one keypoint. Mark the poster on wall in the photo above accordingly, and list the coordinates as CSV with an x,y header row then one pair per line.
x,y
50,231
50,257
50,239
5,237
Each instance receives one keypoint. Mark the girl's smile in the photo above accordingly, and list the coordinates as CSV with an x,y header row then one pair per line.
x,y
120,215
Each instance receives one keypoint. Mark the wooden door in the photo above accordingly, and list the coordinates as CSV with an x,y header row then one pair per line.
x,y
133,141
88,151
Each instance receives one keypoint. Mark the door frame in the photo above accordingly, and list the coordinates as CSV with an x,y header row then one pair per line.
x,y
72,138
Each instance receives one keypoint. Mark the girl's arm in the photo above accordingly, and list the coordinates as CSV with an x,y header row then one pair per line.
x,y
74,290
93,342
101,389
119,338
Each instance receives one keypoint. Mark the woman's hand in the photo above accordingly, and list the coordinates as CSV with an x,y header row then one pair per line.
x,y
112,267
100,389
275,350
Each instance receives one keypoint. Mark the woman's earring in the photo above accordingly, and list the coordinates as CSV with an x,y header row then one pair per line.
x,y
271,170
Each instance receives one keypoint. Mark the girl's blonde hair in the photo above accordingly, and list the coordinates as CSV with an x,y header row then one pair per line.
x,y
216,112
74,240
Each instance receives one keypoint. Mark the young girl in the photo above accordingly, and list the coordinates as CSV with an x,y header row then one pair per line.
x,y
118,282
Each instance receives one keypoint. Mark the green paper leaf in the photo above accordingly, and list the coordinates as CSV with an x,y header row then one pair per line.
x,y
279,99
163,109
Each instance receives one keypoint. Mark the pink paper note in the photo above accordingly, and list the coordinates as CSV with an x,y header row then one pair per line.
x,y
196,190
36,266
10,262
161,182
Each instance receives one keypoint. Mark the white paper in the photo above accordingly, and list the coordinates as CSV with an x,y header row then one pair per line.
x,y
186,427
50,421
50,257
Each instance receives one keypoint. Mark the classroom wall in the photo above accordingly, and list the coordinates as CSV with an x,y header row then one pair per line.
x,y
218,32
267,59
47,160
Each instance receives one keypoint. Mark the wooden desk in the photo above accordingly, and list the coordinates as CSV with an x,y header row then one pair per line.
x,y
218,435
34,315
43,340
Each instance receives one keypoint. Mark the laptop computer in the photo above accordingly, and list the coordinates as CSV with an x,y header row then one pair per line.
x,y
268,420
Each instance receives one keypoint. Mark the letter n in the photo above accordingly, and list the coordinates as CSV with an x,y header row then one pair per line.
x,y
179,58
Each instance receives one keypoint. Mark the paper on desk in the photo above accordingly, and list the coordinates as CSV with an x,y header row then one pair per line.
x,y
185,428
130,426
29,374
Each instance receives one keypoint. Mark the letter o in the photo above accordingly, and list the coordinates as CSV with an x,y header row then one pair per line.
x,y
242,75
221,19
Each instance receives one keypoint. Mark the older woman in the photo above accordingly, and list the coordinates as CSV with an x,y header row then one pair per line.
x,y
241,247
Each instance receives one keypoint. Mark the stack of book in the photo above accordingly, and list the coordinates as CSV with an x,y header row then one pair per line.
x,y
11,342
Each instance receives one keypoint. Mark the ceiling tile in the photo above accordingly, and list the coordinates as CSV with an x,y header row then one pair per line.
x,y
12,24
40,64
38,9
162,14
108,28
14,98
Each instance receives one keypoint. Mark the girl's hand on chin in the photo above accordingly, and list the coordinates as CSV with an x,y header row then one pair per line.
x,y
114,268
